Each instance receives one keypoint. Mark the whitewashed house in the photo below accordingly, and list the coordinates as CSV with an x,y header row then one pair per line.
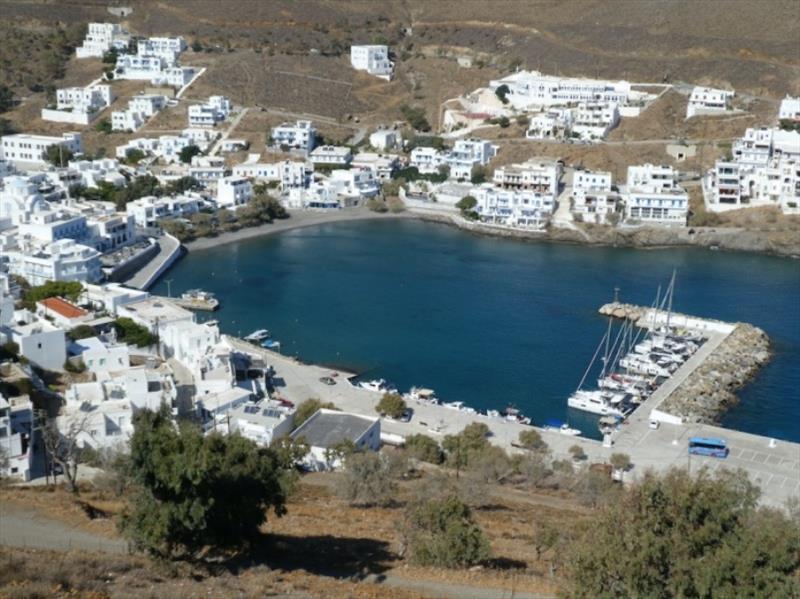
x,y
288,173
385,139
261,422
427,160
79,105
382,165
328,428
331,155
554,124
166,147
148,210
301,135
62,260
707,100
100,38
109,296
789,109
468,153
40,341
166,48
101,356
594,120
538,175
214,111
233,192
19,199
374,59
140,108
27,151
515,208
354,184
16,437
592,198
62,313
652,196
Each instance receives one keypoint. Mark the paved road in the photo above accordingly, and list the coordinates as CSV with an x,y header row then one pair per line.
x,y
234,123
25,528
167,246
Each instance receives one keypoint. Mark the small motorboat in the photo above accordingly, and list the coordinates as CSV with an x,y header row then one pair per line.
x,y
258,336
271,344
561,427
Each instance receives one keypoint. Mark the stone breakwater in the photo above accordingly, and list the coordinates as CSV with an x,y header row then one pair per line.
x,y
709,390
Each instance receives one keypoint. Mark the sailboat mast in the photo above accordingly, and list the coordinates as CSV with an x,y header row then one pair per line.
x,y
671,292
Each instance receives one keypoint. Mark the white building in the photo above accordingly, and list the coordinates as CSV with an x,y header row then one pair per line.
x,y
385,139
288,173
166,48
354,183
328,428
140,108
100,356
62,260
94,172
763,172
789,109
382,165
79,105
27,151
233,192
333,155
592,198
531,89
62,313
374,59
427,160
652,196
707,100
513,207
468,153
262,422
215,110
554,124
147,211
301,135
166,147
109,296
40,341
594,120
16,437
538,175
100,38
139,68
19,200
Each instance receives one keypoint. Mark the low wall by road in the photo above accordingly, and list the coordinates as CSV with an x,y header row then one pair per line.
x,y
128,268
170,250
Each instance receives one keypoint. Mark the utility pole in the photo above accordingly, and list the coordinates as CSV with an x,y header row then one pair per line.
x,y
169,287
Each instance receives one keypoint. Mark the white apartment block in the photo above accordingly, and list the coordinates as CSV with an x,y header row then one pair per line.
x,y
140,108
136,67
215,110
468,153
652,196
354,183
166,48
382,165
288,173
262,422
233,192
513,207
16,437
333,155
427,160
763,172
51,225
532,89
27,151
147,211
707,100
78,105
374,59
62,260
592,198
789,109
553,124
100,38
594,120
199,136
541,176
301,135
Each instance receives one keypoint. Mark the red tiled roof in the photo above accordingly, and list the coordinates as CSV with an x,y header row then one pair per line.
x,y
62,307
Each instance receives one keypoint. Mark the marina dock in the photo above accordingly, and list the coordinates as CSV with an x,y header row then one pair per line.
x,y
773,465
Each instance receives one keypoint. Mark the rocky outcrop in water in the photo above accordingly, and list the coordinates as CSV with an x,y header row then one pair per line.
x,y
709,391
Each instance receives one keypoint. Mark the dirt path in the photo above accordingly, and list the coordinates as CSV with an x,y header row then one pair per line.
x,y
21,527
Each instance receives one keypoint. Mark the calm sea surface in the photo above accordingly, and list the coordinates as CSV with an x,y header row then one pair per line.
x,y
488,321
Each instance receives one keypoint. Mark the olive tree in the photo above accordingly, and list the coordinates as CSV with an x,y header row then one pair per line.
x,y
392,405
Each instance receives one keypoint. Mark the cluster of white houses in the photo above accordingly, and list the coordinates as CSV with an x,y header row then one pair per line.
x,y
764,170
79,105
190,368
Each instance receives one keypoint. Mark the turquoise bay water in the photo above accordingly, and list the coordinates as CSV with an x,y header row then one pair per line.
x,y
488,321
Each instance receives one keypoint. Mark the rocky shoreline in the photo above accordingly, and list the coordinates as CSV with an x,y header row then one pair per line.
x,y
709,391
778,243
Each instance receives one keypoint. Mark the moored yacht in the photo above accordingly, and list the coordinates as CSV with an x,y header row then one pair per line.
x,y
599,402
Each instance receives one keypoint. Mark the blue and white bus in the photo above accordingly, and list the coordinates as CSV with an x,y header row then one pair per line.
x,y
716,448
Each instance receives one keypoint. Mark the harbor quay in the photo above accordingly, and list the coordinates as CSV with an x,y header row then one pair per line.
x,y
773,465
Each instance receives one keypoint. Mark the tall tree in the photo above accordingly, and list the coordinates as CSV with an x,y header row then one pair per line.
x,y
194,492
682,536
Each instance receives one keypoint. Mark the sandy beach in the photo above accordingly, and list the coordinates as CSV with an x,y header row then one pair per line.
x,y
297,220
